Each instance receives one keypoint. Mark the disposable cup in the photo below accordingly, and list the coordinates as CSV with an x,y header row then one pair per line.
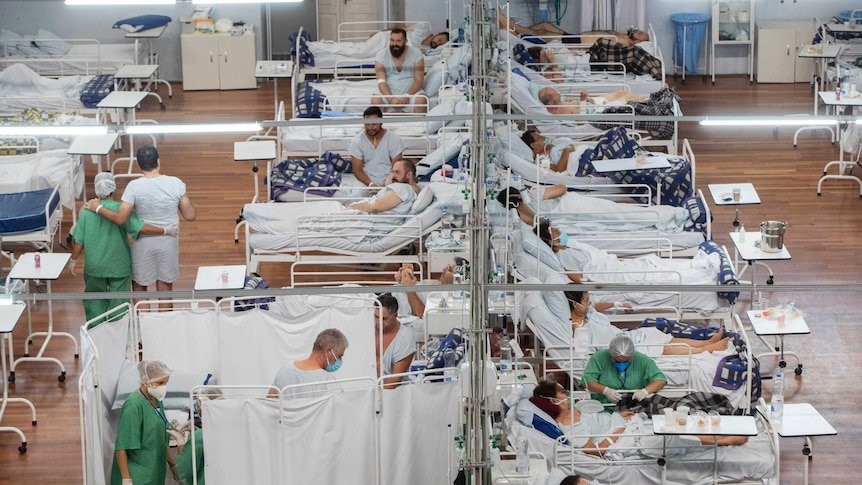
x,y
669,417
682,415
781,317
714,419
736,193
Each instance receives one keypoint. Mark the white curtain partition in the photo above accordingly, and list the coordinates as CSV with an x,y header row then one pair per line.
x,y
248,348
417,433
332,439
110,340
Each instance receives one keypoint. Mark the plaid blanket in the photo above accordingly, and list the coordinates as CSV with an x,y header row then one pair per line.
x,y
696,215
304,57
300,175
452,342
660,103
726,274
96,90
654,404
636,60
255,282
675,181
309,101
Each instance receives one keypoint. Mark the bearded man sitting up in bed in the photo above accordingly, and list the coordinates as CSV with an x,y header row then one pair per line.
x,y
374,151
400,72
398,194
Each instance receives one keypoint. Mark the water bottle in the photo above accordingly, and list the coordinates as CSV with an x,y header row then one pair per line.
x,y
458,279
505,354
498,297
449,360
777,403
845,82
447,220
522,457
741,234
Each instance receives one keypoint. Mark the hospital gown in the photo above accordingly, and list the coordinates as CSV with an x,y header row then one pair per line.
x,y
141,433
377,161
290,375
636,437
399,81
401,346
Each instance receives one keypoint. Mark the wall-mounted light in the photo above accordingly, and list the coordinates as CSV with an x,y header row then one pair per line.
x,y
193,128
768,122
116,3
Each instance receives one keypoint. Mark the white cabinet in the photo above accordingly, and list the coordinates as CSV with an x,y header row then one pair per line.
x,y
330,13
733,24
218,61
778,47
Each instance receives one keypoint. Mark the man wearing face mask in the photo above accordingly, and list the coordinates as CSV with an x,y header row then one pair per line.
x,y
620,367
400,72
142,442
325,358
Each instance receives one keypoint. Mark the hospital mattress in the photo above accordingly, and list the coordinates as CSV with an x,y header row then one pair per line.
x,y
46,169
23,212
287,241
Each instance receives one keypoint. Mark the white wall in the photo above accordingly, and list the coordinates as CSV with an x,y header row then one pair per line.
x,y
94,22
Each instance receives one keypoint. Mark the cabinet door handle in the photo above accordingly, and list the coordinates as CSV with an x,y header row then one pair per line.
x,y
211,56
788,49
225,57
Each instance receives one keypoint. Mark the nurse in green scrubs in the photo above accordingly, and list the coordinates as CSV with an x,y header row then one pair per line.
x,y
142,442
187,471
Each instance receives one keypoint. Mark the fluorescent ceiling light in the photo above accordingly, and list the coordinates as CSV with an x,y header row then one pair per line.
x,y
213,2
53,130
120,2
193,128
767,122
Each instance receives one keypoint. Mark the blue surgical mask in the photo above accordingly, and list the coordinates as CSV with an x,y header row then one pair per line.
x,y
564,238
622,366
333,366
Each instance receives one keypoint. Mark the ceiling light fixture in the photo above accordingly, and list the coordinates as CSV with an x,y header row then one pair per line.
x,y
768,122
53,130
214,2
193,128
116,3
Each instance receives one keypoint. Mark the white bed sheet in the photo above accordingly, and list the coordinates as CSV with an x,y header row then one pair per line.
x,y
47,169
22,88
89,58
318,139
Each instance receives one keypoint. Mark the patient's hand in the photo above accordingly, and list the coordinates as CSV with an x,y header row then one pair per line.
x,y
93,203
406,276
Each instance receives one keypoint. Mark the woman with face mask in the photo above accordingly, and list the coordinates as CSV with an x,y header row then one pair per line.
x,y
619,367
141,455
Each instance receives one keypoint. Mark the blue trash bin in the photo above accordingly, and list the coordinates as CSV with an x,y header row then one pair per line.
x,y
690,32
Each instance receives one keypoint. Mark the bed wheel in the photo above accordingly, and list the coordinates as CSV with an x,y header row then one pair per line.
x,y
162,106
798,370
11,377
782,364
770,280
23,448
661,462
62,377
683,82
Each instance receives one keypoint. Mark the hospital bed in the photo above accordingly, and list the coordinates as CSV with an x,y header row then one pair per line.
x,y
272,235
836,31
671,185
52,56
639,456
22,89
31,217
42,170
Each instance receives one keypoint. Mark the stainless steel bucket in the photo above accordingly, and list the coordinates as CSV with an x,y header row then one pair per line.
x,y
772,236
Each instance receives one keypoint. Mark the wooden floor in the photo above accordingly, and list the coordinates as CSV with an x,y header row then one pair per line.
x,y
822,235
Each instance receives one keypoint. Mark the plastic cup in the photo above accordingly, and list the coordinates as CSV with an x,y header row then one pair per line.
x,y
669,417
781,317
736,193
714,419
682,415
701,419
756,305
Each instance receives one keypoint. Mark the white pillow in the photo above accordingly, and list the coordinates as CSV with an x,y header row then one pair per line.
x,y
8,41
51,44
444,108
26,47
434,79
556,301
536,248
423,200
513,142
463,54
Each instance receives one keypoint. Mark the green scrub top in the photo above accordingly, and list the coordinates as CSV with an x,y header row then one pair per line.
x,y
142,433
184,460
106,245
639,373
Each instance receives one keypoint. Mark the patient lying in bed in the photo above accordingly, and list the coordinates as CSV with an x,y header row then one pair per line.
x,y
601,434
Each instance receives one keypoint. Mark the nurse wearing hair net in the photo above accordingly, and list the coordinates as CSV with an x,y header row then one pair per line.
x,y
141,455
106,250
620,367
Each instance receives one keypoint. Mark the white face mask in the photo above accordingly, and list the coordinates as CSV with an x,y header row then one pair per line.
x,y
158,392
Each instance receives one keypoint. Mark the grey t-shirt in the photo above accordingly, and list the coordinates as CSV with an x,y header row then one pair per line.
x,y
289,375
156,199
399,81
377,161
